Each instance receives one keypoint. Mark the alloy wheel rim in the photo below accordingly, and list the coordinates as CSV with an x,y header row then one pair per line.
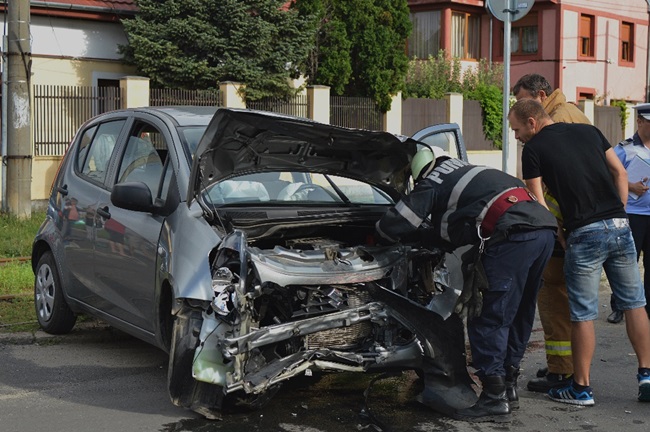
x,y
45,288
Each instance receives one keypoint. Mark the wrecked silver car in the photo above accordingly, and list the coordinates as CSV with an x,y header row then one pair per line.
x,y
243,244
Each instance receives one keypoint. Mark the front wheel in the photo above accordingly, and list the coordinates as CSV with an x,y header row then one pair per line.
x,y
52,311
184,390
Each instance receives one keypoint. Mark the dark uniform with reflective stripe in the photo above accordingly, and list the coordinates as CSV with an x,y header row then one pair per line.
x,y
457,196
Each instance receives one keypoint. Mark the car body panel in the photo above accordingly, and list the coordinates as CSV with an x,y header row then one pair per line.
x,y
268,288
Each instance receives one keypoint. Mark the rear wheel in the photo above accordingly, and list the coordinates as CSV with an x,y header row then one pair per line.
x,y
53,313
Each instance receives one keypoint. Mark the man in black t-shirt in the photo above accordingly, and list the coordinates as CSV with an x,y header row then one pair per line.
x,y
583,173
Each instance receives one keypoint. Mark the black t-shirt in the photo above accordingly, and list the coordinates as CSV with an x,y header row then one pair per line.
x,y
571,160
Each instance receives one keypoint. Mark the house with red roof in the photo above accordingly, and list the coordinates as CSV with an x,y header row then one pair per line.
x,y
75,42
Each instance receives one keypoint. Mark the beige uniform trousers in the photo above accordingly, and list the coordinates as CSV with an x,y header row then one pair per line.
x,y
553,305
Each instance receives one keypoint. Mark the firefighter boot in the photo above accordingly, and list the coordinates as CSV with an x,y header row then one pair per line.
x,y
492,405
512,374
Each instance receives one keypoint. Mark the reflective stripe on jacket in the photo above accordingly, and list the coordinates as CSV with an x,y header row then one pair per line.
x,y
457,196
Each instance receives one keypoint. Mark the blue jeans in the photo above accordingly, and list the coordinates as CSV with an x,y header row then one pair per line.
x,y
605,244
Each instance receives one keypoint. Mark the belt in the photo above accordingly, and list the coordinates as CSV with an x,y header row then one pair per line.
x,y
500,205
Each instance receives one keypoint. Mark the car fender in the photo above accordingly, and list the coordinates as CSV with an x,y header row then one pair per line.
x,y
185,253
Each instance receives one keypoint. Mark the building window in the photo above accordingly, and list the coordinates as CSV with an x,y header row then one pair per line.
x,y
425,37
465,35
627,42
524,36
586,37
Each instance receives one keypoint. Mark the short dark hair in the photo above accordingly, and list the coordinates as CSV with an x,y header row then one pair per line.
x,y
524,109
533,83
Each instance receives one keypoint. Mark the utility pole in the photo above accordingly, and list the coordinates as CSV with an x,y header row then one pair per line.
x,y
19,147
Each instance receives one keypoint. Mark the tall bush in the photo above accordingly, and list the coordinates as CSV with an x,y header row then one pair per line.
x,y
436,76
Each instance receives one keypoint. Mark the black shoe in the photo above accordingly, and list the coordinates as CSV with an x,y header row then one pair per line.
x,y
551,380
615,317
512,374
542,372
492,405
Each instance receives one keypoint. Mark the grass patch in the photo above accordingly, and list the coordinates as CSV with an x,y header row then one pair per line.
x,y
20,234
16,278
17,314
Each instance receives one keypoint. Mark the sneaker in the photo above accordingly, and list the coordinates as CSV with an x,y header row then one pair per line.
x,y
644,387
550,381
569,395
615,317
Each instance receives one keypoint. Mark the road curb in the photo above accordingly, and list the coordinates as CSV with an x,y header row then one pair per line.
x,y
90,330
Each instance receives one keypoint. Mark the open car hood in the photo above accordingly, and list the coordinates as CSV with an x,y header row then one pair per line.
x,y
245,141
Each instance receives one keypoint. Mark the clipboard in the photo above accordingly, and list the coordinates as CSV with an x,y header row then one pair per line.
x,y
637,170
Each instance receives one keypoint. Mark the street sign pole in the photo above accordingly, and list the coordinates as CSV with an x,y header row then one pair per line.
x,y
507,11
507,28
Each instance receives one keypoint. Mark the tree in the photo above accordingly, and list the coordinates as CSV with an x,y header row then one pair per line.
x,y
359,46
194,44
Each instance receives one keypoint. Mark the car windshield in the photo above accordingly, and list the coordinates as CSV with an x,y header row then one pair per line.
x,y
287,187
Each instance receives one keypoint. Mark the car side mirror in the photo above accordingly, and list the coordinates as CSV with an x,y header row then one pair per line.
x,y
134,196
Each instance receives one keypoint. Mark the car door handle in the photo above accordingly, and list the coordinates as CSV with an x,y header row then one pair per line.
x,y
103,212
63,190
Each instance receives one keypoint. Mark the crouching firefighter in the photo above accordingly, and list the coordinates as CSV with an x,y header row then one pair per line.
x,y
511,237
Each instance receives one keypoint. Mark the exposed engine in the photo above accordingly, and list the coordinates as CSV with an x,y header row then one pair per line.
x,y
306,305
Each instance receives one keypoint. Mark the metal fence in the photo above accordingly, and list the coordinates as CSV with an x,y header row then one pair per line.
x,y
296,106
163,97
355,112
60,110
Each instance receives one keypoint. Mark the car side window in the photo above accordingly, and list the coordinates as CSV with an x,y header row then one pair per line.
x,y
444,140
145,158
94,156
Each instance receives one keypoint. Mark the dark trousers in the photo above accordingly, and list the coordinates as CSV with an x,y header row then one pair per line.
x,y
514,267
640,226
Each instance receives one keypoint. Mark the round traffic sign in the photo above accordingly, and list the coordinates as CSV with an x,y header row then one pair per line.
x,y
516,9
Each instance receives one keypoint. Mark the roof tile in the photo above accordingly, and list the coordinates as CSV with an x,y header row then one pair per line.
x,y
122,5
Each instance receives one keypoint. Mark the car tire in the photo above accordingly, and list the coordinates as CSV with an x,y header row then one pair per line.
x,y
52,311
203,398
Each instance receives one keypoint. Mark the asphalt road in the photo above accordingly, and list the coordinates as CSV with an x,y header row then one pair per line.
x,y
99,379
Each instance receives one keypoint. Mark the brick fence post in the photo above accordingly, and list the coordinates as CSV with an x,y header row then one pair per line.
x,y
392,119
318,100
587,107
135,91
455,108
231,94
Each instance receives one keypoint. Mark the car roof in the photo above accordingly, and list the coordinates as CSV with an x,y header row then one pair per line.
x,y
184,115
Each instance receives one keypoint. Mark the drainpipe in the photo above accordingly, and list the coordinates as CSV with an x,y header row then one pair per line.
x,y
491,30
